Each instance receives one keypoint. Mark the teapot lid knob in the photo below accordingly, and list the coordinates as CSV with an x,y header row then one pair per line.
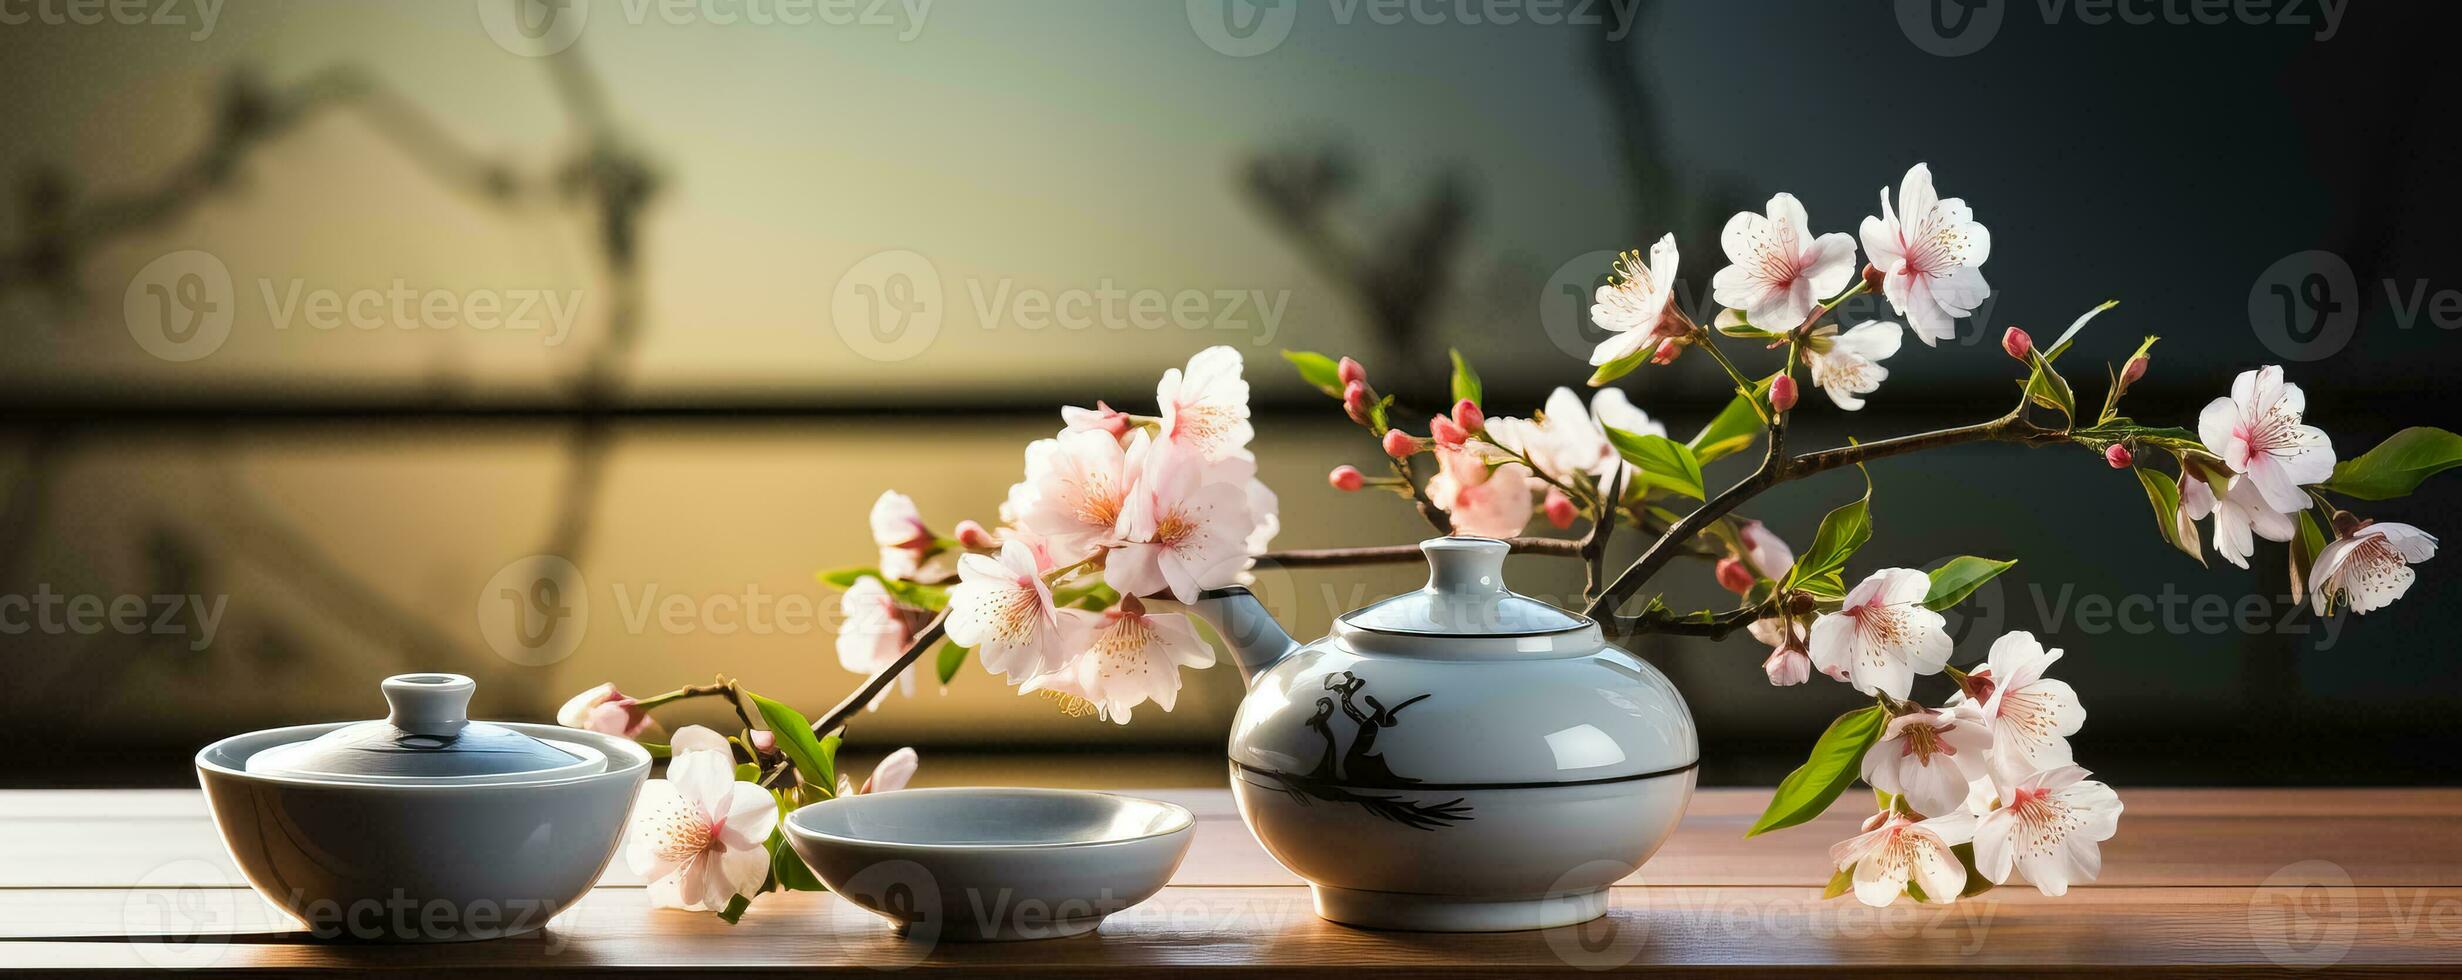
x,y
429,704
1465,566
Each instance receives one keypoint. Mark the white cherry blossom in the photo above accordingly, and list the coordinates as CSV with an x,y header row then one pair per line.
x,y
1183,530
873,629
2029,715
2258,433
1568,439
1002,609
893,773
2240,517
1787,665
2047,828
1768,553
1929,251
1900,850
1634,305
1929,757
1883,636
1847,365
1133,656
1780,271
2369,567
699,835
1205,408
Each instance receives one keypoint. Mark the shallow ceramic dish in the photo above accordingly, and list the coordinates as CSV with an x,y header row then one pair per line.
x,y
444,855
992,864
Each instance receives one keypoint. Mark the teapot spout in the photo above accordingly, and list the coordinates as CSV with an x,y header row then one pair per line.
x,y
1256,640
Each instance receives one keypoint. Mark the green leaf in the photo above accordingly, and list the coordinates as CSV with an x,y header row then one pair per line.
x,y
1317,369
788,868
1842,532
1976,883
1465,380
736,907
1830,585
2045,386
2177,529
2061,346
1733,324
846,578
952,657
1735,427
1953,582
1840,883
816,759
1663,462
1619,368
2398,465
1836,759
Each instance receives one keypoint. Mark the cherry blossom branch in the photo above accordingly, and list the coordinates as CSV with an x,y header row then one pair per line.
x,y
1717,628
925,639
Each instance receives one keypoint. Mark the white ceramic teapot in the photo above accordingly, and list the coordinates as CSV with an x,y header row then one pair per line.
x,y
1460,758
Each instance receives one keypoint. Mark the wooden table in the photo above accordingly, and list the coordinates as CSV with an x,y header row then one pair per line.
x,y
2205,881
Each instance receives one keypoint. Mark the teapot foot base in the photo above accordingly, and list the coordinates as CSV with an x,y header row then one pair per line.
x,y
1448,913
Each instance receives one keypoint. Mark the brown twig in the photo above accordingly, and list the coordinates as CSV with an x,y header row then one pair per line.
x,y
924,640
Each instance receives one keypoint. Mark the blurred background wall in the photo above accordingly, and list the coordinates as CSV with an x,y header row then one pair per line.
x,y
326,314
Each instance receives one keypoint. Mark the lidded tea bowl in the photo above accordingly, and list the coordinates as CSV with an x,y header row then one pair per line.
x,y
422,826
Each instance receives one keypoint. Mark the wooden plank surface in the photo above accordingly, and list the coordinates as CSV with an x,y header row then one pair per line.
x,y
2351,881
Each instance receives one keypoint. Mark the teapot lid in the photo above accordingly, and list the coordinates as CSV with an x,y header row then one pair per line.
x,y
427,737
1465,597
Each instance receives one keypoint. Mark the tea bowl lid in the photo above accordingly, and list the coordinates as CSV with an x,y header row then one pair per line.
x,y
1466,604
427,737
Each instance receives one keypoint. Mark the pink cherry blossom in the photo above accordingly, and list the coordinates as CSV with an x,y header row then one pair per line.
x,y
1185,528
1899,850
1787,664
2370,567
891,775
1074,488
1929,757
1205,408
605,710
908,549
1133,657
2047,827
1780,271
1101,418
2258,433
1769,555
874,629
1883,636
699,835
1490,503
1929,252
1002,609
1634,306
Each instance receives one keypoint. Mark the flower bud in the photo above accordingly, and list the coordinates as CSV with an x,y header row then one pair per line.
x,y
1667,352
972,535
1400,444
1559,508
1447,433
1787,667
1346,478
764,741
1350,373
1872,276
2017,343
1782,392
1734,576
1466,414
2133,370
1355,401
2119,456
